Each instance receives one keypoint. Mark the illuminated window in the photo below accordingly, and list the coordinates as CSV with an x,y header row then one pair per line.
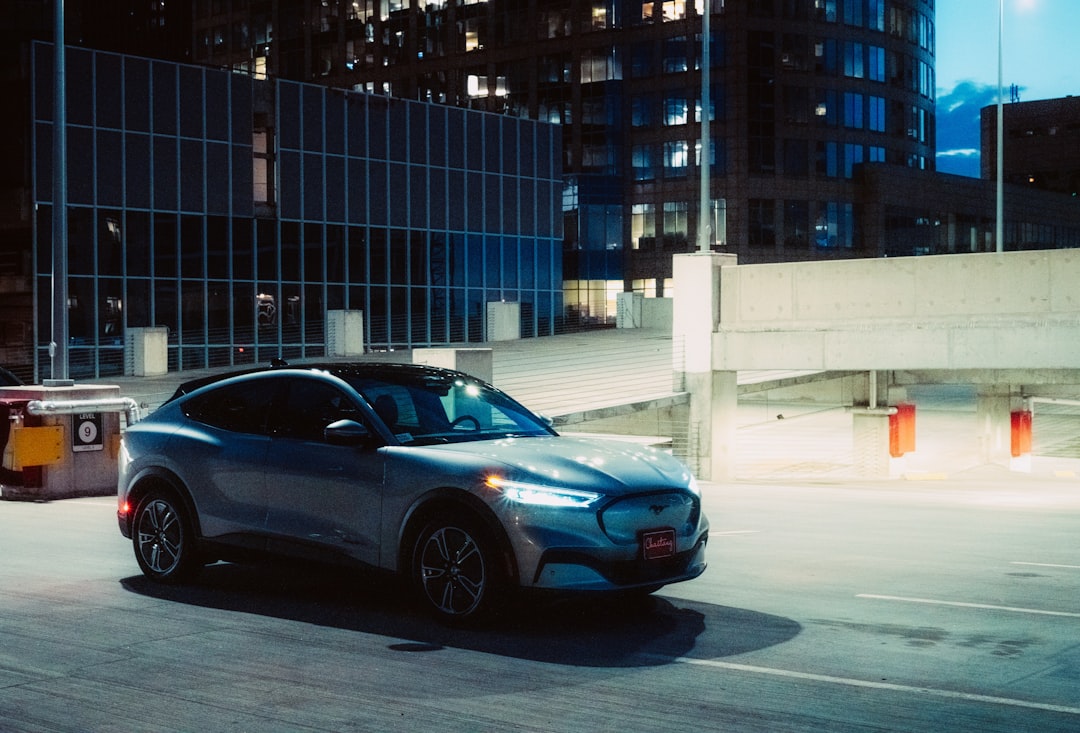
x,y
596,67
676,158
473,40
676,111
262,154
676,217
599,16
643,226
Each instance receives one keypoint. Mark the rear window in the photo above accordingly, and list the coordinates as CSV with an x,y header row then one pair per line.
x,y
242,407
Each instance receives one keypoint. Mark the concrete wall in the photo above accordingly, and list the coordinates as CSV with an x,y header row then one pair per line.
x,y
975,311
656,313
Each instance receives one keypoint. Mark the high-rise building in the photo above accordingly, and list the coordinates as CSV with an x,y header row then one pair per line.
x,y
802,92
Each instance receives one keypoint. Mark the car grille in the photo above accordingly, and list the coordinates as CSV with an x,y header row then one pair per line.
x,y
624,520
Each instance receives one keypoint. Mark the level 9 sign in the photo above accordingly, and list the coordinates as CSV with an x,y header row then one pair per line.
x,y
86,434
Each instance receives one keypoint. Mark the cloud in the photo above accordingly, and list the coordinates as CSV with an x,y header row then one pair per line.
x,y
958,135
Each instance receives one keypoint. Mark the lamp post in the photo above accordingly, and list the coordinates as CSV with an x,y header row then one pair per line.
x,y
999,212
705,213
58,347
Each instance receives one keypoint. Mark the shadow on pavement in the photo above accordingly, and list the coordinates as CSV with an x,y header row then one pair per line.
x,y
588,631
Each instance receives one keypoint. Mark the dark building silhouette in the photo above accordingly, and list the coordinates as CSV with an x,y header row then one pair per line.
x,y
1041,144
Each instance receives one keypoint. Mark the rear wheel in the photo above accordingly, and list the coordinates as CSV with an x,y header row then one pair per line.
x,y
455,568
163,538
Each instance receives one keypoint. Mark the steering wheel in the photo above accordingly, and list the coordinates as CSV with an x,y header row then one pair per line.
x,y
465,418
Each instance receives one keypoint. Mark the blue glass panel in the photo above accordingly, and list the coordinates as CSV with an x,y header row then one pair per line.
x,y
164,97
110,179
165,164
108,101
217,178
217,105
335,188
357,191
192,172
313,186
291,182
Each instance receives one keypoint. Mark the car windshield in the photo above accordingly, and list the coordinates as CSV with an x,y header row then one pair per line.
x,y
432,409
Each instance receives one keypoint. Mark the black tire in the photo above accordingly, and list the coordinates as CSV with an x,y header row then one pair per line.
x,y
455,568
163,538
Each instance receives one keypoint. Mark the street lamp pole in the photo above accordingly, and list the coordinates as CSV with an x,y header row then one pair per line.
x,y
1000,203
58,348
705,213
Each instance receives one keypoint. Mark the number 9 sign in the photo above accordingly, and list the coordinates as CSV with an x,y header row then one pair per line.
x,y
86,432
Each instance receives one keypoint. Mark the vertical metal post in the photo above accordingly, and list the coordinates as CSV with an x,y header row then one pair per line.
x,y
999,209
58,348
705,213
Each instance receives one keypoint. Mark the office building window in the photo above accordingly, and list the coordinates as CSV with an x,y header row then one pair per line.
x,y
834,225
762,223
642,163
796,224
676,110
262,152
643,226
676,159
676,223
853,111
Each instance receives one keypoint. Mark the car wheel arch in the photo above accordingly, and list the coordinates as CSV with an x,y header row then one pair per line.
x,y
161,479
450,500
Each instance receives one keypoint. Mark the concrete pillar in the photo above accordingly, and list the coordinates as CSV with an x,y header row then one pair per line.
x,y
713,394
870,442
344,333
993,408
870,412
628,310
503,321
474,362
714,401
146,351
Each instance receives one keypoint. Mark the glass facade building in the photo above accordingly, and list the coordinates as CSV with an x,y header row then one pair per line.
x,y
238,211
802,92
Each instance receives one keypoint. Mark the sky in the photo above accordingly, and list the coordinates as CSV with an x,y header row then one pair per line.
x,y
1040,55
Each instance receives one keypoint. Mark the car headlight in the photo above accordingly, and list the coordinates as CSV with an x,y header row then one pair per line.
x,y
694,488
540,495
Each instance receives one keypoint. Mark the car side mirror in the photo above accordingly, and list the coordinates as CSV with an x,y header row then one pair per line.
x,y
346,432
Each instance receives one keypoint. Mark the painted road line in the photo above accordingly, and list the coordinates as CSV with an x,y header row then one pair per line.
x,y
869,684
1045,565
961,604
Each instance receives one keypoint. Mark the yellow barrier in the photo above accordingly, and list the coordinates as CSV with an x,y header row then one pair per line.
x,y
38,446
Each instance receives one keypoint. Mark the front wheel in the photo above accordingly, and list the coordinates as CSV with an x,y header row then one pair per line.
x,y
455,568
163,538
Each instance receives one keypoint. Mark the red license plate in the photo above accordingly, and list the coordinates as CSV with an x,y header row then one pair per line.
x,y
658,544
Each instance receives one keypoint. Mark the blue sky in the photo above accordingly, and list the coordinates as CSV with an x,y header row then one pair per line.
x,y
1040,52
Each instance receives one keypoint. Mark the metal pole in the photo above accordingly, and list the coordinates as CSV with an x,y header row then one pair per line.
x,y
58,348
999,211
705,213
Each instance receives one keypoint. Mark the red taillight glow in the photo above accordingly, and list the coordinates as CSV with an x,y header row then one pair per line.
x,y
125,509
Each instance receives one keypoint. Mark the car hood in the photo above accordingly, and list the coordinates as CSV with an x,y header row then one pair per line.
x,y
611,466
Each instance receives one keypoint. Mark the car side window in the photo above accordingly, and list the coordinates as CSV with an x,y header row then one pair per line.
x,y
309,406
241,408
394,406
